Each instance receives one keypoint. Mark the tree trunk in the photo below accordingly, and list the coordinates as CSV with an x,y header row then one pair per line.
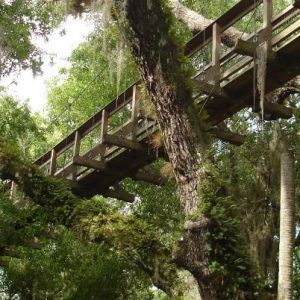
x,y
146,25
160,59
287,227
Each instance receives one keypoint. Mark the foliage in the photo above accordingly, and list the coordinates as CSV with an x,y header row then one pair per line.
x,y
59,267
107,249
296,273
93,80
93,221
19,126
228,251
68,269
19,20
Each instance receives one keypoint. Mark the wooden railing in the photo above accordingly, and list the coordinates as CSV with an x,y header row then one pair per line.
x,y
214,76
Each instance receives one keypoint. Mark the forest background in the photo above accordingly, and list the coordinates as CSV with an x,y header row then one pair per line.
x,y
103,248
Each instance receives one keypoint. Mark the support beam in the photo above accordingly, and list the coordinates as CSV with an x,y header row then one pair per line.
x,y
120,194
123,143
209,89
229,136
103,133
149,178
296,3
267,21
134,113
87,162
249,49
53,162
76,152
216,53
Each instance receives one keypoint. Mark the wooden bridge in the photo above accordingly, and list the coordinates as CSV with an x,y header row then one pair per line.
x,y
97,156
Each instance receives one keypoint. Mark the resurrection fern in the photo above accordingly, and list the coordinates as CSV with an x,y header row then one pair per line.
x,y
228,252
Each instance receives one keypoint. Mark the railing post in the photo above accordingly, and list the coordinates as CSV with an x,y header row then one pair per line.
x,y
13,190
53,162
267,21
134,113
104,129
216,53
76,151
77,141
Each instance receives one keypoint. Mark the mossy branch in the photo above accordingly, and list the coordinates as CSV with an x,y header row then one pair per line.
x,y
92,220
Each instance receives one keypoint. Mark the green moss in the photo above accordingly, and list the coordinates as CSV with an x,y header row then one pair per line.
x,y
228,253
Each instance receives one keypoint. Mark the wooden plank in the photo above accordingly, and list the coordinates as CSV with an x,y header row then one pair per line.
x,y
124,143
87,162
278,20
53,162
284,16
286,33
216,52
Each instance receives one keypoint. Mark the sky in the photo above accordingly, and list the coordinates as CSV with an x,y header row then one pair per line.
x,y
25,86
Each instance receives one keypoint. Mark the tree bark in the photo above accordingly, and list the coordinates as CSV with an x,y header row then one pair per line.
x,y
287,227
158,57
147,29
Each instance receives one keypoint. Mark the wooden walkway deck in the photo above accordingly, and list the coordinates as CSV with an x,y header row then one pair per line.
x,y
96,157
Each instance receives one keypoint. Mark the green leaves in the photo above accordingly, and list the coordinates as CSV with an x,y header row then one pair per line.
x,y
19,21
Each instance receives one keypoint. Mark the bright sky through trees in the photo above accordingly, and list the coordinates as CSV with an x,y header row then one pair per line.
x,y
57,49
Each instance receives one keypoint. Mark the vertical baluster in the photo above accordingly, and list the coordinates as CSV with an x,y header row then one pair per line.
x,y
267,22
13,190
216,52
134,113
53,162
76,152
104,129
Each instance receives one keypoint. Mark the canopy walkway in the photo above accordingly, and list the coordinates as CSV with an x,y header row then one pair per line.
x,y
226,83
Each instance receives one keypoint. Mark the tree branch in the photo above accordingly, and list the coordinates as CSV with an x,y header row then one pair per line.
x,y
291,88
196,22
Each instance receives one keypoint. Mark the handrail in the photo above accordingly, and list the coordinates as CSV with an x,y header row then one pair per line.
x,y
86,127
197,42
234,14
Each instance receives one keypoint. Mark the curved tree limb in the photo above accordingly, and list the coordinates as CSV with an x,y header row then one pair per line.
x,y
291,88
63,207
196,22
